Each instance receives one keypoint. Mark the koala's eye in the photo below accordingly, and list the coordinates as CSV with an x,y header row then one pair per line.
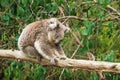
x,y
51,22
57,27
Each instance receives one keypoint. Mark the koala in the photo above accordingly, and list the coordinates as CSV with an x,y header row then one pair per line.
x,y
41,39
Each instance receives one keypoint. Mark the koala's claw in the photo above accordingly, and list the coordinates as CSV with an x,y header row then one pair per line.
x,y
39,58
63,58
53,61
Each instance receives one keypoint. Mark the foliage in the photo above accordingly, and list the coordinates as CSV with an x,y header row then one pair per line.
x,y
99,33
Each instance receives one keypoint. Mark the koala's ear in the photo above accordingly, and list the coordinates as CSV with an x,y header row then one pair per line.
x,y
53,25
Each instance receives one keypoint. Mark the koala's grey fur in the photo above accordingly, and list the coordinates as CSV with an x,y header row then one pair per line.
x,y
42,38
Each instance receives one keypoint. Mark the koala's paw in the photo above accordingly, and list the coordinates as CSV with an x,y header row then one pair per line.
x,y
63,57
53,61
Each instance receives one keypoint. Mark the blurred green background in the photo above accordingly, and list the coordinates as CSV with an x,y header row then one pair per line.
x,y
99,33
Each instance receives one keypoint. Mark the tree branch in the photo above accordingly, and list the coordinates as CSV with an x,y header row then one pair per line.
x,y
83,19
68,63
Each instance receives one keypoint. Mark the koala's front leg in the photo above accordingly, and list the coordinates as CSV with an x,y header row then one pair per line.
x,y
59,51
45,51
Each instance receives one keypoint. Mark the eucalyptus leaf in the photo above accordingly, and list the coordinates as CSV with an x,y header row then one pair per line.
x,y
6,17
25,2
20,11
4,3
67,72
110,24
54,6
72,5
84,32
84,50
110,57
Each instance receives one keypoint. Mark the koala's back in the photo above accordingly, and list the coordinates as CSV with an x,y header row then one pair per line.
x,y
31,32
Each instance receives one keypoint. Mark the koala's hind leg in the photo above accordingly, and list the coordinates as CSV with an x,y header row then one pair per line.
x,y
32,52
45,51
59,51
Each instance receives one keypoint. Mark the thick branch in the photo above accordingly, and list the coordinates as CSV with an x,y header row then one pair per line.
x,y
68,63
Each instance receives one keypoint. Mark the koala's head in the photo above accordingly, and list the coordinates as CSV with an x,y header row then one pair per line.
x,y
56,30
54,24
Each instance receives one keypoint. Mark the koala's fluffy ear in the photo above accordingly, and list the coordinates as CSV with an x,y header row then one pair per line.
x,y
53,23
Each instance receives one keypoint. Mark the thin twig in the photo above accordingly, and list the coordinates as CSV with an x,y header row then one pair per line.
x,y
65,22
113,9
110,7
76,38
83,19
71,57
72,17
31,7
75,51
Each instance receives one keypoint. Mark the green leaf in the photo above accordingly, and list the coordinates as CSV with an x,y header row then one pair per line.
x,y
47,1
110,24
19,75
84,51
16,38
84,32
39,72
67,73
6,17
90,44
100,1
106,2
20,11
4,37
7,73
94,76
100,23
87,23
42,2
4,3
72,5
89,30
24,2
110,57
54,6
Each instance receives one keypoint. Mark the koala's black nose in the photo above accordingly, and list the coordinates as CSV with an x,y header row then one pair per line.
x,y
58,25
51,22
